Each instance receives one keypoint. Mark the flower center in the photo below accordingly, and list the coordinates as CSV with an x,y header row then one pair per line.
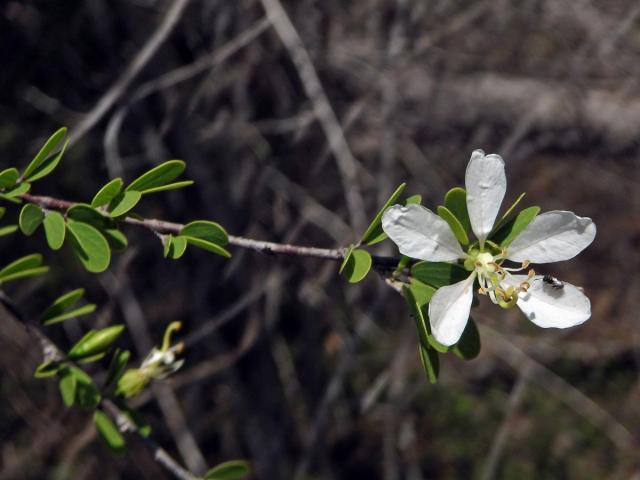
x,y
491,277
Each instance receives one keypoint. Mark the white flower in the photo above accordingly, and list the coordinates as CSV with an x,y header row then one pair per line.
x,y
551,237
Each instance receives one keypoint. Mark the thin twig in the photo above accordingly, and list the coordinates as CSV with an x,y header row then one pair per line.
x,y
381,263
51,352
141,59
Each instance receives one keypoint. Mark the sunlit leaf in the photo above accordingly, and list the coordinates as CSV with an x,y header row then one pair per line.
x,y
123,202
210,231
54,229
158,176
87,394
67,386
169,186
49,146
358,265
47,369
27,266
455,225
107,193
510,230
89,245
16,191
77,312
8,230
508,215
230,470
108,432
212,247
31,217
48,165
374,232
456,201
430,363
95,342
8,177
177,247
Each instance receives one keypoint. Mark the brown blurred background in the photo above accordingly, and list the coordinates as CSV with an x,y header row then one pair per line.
x,y
287,365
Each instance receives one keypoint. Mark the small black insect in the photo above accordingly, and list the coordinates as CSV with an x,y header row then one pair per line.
x,y
553,282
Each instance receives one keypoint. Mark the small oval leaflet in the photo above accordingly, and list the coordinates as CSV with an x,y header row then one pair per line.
x,y
89,245
107,193
230,470
31,217
158,176
54,229
108,431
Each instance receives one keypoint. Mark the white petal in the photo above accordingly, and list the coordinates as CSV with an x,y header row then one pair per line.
x,y
449,311
552,307
486,185
420,233
552,237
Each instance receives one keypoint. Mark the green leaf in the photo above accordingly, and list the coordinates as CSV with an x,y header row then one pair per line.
x,y
430,363
47,369
48,165
92,358
422,294
89,245
33,272
87,394
456,201
82,212
123,202
177,247
117,366
8,230
31,217
67,385
109,433
117,240
230,470
455,225
26,266
374,232
158,176
8,177
62,303
95,342
413,199
510,230
16,191
49,146
3,210
438,274
358,265
507,215
210,231
468,347
78,312
347,256
54,229
212,247
418,315
169,186
107,193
